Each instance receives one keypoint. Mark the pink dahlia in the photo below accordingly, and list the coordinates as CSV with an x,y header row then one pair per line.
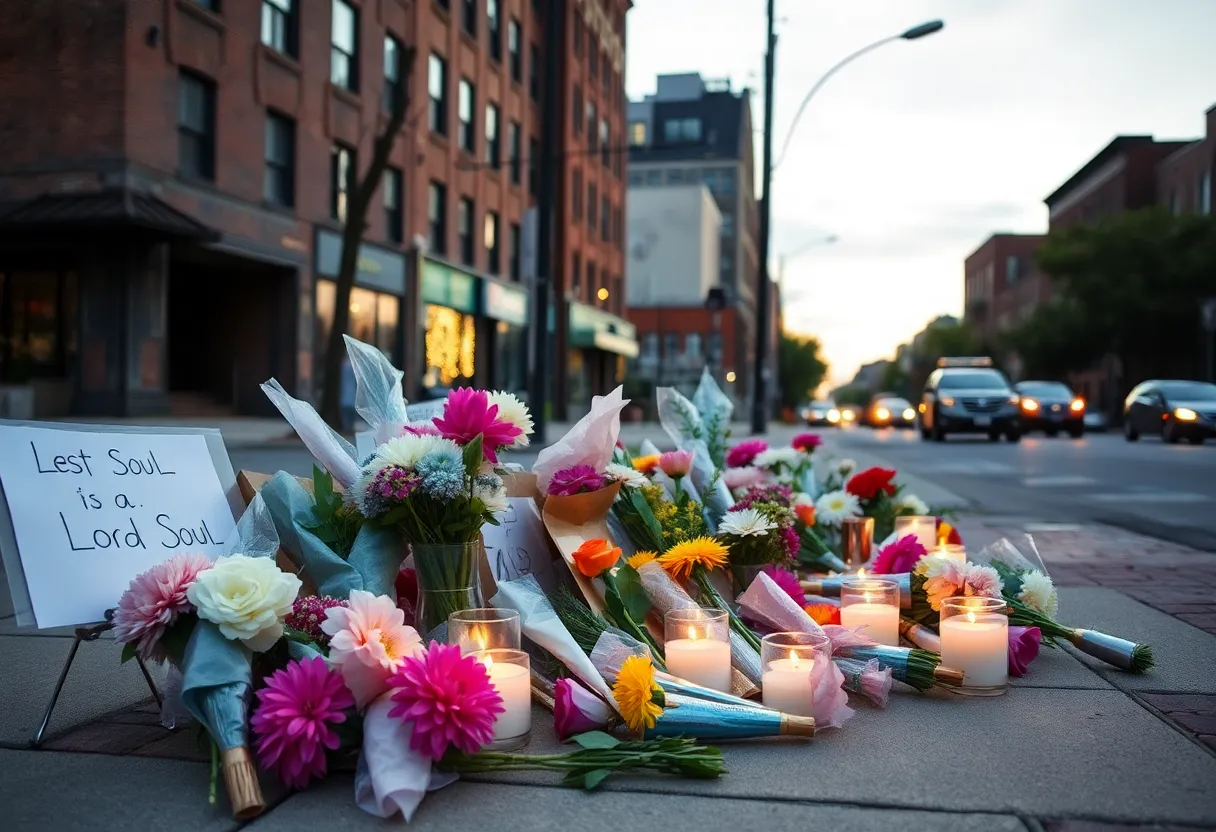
x,y
153,602
745,477
807,442
308,612
577,479
294,718
468,414
676,463
743,453
900,556
449,699
420,429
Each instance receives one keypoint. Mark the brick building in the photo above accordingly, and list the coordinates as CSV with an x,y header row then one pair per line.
x,y
1185,177
169,229
1002,284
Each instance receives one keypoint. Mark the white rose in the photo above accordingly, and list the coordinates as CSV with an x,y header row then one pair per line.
x,y
246,597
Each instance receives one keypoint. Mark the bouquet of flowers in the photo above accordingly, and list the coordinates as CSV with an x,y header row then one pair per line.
x,y
759,530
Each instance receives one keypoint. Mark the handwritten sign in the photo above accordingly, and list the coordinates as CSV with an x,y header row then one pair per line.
x,y
90,511
425,411
365,444
520,546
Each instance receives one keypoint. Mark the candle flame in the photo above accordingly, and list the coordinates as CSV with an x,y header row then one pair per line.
x,y
488,661
692,633
971,617
861,573
793,660
867,598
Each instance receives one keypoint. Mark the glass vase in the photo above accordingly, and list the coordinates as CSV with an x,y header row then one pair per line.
x,y
448,581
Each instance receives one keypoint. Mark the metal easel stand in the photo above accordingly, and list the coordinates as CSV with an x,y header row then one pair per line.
x,y
85,634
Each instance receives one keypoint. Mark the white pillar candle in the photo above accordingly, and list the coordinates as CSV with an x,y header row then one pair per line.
x,y
977,643
702,661
514,684
923,528
787,687
953,552
881,621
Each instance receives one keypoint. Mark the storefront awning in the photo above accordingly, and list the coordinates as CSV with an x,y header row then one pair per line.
x,y
104,211
597,329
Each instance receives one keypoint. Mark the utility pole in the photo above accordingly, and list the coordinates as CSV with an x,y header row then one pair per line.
x,y
760,371
546,198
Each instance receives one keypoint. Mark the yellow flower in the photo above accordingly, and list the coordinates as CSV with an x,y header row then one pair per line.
x,y
636,694
682,558
640,558
646,464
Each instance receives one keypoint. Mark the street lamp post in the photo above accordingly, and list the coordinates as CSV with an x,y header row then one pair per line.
x,y
764,291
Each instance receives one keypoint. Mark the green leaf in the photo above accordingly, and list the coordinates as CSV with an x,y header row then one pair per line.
x,y
128,652
593,778
474,455
596,740
633,596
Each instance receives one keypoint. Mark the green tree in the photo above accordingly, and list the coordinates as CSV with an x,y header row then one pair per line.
x,y
852,395
800,368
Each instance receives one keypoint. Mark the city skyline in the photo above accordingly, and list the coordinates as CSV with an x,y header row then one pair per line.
x,y
910,160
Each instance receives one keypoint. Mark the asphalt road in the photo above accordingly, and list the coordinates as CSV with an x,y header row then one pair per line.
x,y
1165,491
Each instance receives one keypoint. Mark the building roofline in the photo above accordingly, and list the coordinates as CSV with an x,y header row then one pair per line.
x,y
1117,146
995,235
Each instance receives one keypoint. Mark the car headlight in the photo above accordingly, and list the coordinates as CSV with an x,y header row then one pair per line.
x,y
1030,405
1015,398
909,413
948,401
849,415
833,415
1185,414
882,414
1077,405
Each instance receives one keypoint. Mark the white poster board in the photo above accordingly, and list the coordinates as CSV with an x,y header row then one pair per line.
x,y
365,444
520,546
425,411
86,509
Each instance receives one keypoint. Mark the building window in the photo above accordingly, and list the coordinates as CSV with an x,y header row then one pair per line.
x,y
637,133
591,124
514,149
726,182
344,47
591,278
650,348
607,75
210,5
491,243
592,206
593,57
437,217
392,71
195,127
605,218
727,229
280,24
515,51
516,253
394,216
534,71
443,4
1203,196
533,167
605,144
682,130
576,195
671,345
437,90
654,177
467,133
636,177
618,219
469,17
1012,269
278,184
464,229
692,345
493,143
578,35
577,110
341,180
576,268
494,27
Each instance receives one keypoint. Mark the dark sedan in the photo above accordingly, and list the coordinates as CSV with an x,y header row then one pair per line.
x,y
1051,407
1172,409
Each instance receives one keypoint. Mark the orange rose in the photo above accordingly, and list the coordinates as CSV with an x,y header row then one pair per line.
x,y
824,613
646,464
806,514
595,556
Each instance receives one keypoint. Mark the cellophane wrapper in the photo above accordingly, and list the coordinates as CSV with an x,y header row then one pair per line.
x,y
716,410
336,455
590,441
379,399
1020,555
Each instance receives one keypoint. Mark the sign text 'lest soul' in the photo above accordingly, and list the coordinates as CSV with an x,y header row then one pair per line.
x,y
90,511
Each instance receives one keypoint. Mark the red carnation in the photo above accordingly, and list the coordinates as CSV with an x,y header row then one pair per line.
x,y
871,482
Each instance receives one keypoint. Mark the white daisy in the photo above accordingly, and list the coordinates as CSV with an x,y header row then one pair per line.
x,y
846,467
836,506
777,456
745,523
911,504
407,450
802,499
1039,593
511,409
625,474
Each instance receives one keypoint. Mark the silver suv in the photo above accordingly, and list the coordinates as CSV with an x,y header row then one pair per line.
x,y
969,398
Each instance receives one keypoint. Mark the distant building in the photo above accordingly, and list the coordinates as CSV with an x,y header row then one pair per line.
x,y
693,131
1185,177
1002,284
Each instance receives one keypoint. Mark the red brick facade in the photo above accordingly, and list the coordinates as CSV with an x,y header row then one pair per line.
x,y
1003,284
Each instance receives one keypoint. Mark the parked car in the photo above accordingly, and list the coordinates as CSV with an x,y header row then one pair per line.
x,y
1174,409
889,412
1051,407
968,395
849,414
821,414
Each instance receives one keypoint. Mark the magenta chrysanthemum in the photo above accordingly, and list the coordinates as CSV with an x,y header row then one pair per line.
x,y
449,699
788,582
153,602
469,413
577,479
807,442
743,453
294,720
897,557
308,613
789,536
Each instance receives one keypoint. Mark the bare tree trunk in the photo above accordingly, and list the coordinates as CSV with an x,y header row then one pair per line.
x,y
352,236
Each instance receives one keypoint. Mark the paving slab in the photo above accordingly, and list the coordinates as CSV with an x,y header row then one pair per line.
x,y
1184,653
502,808
1093,754
1056,668
97,684
46,790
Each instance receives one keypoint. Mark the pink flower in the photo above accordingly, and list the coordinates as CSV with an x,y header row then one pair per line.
x,y
368,641
420,429
793,543
577,479
676,463
900,556
982,581
293,719
308,612
468,414
944,578
746,477
449,698
153,602
807,442
788,582
1023,648
743,453
576,709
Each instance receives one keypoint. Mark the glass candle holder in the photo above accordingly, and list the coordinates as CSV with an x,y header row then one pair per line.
x,y
697,646
951,551
975,639
787,660
484,628
923,528
511,675
856,540
872,603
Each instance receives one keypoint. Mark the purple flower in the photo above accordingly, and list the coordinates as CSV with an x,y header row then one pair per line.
x,y
308,612
789,536
788,582
743,453
576,709
1023,648
393,483
577,479
777,494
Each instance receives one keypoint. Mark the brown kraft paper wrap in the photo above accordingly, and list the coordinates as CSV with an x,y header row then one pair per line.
x,y
571,521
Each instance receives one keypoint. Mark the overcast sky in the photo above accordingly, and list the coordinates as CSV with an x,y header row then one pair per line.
x,y
919,150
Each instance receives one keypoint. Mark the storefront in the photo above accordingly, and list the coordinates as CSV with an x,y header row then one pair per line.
x,y
506,307
599,346
451,301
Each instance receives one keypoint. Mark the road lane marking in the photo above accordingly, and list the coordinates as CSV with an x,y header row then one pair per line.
x,y
1150,497
975,467
1058,482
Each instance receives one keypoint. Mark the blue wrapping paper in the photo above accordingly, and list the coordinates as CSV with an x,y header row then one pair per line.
x,y
686,716
830,586
217,677
895,658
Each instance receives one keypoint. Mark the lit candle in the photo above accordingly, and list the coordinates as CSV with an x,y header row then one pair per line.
x,y
700,660
873,605
923,528
952,551
786,685
975,640
485,628
511,677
